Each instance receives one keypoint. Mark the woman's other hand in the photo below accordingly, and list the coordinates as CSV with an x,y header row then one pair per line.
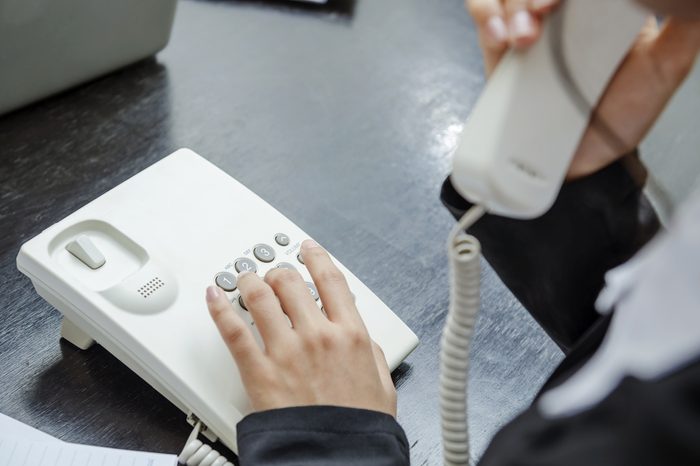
x,y
320,359
656,66
504,24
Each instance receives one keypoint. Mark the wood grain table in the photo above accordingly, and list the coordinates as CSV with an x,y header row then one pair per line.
x,y
342,117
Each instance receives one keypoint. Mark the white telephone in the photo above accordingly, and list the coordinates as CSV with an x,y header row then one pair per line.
x,y
129,270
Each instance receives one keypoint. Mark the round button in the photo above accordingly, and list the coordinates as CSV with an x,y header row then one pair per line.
x,y
312,290
226,281
243,264
264,253
241,303
282,239
299,258
286,265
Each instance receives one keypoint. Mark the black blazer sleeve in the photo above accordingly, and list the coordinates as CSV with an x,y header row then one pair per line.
x,y
321,435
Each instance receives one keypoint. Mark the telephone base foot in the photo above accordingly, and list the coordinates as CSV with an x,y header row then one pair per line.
x,y
71,333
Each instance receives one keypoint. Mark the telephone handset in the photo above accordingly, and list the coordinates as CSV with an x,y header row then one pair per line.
x,y
129,270
513,156
526,126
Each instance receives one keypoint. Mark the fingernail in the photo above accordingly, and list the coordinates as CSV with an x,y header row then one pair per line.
x,y
497,30
212,293
522,25
308,244
541,4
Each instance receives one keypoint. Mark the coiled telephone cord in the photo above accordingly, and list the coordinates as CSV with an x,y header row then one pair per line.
x,y
464,252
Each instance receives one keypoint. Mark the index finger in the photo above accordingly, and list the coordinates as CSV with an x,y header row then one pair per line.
x,y
234,331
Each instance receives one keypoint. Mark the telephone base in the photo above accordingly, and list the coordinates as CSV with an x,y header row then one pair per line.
x,y
71,333
144,304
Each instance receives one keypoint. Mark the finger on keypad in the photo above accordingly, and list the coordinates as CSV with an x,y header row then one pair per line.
x,y
294,296
332,286
233,330
264,307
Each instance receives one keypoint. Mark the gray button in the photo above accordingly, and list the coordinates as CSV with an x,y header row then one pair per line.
x,y
240,301
282,239
299,258
243,264
286,265
226,281
313,290
264,252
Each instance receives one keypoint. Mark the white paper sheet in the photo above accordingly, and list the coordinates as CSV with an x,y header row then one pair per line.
x,y
22,445
12,427
18,452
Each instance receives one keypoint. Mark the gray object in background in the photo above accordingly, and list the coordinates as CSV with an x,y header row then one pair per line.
x,y
47,46
671,149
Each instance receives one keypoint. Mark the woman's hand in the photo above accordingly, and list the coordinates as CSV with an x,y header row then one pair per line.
x,y
318,360
657,65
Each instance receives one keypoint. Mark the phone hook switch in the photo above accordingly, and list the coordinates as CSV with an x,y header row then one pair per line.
x,y
85,250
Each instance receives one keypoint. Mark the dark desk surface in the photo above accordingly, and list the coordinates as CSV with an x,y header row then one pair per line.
x,y
342,119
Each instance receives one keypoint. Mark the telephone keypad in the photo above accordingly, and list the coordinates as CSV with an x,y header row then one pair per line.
x,y
266,254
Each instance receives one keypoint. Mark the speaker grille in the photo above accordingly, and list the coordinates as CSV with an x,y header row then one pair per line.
x,y
150,287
